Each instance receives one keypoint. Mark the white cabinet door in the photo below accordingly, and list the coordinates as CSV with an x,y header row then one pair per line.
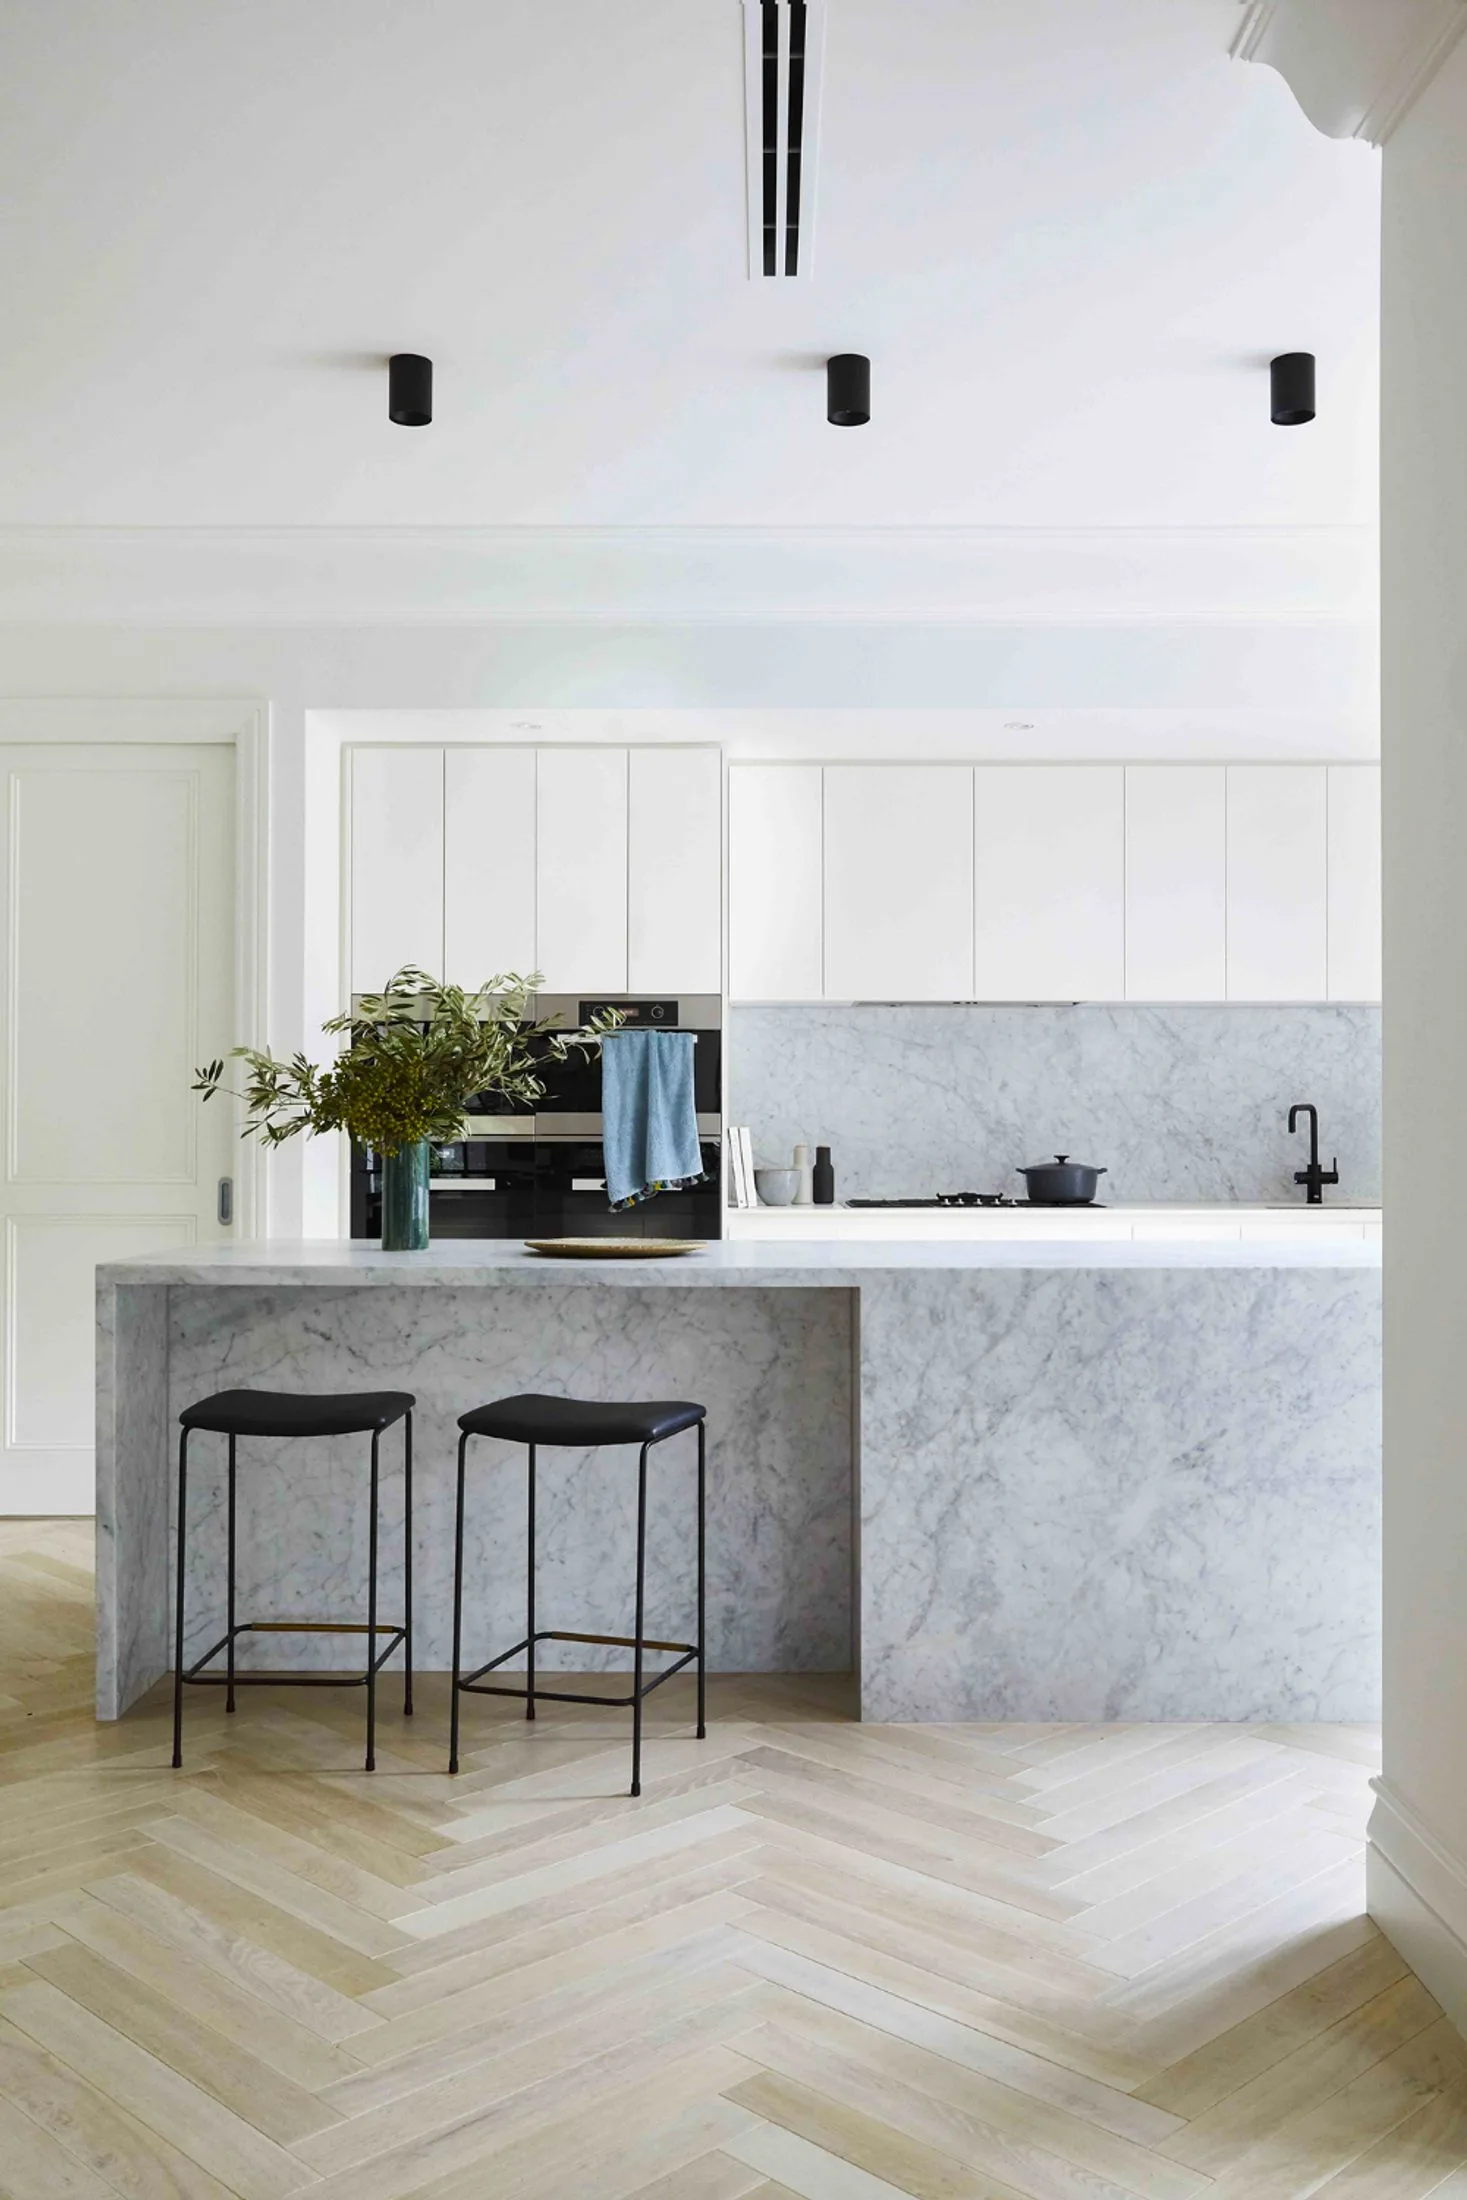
x,y
675,871
1276,882
1049,882
488,864
1354,882
116,981
396,863
898,882
775,882
1176,882
581,869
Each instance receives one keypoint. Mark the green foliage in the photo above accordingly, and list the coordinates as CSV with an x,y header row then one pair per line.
x,y
416,1054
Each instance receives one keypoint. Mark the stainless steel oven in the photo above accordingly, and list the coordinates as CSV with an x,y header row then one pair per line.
x,y
540,1172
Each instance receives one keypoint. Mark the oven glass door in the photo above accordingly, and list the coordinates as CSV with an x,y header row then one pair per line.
x,y
519,1188
573,1087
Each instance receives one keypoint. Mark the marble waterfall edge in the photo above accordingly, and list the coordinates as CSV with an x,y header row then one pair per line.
x,y
1121,1496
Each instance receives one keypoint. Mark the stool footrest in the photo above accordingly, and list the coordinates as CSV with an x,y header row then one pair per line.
x,y
614,1642
473,1684
195,1676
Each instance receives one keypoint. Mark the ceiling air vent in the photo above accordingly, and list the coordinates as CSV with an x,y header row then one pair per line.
x,y
783,40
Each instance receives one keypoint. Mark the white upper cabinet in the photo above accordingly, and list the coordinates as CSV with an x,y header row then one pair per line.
x,y
898,882
396,863
488,864
603,868
775,882
1176,882
581,869
1049,872
600,867
1277,872
1354,882
675,871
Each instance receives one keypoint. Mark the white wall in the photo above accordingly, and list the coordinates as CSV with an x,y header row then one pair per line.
x,y
1418,1881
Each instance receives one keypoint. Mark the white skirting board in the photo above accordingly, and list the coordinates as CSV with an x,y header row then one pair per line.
x,y
1417,1894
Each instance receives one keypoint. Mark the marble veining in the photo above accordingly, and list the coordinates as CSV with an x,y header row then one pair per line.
x,y
1181,1104
775,1377
1121,1496
1095,1482
134,1437
487,1264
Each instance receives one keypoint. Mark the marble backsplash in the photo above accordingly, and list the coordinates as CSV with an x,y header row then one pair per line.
x,y
1177,1103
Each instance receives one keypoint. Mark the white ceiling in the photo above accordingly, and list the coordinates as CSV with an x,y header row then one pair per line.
x,y
1068,232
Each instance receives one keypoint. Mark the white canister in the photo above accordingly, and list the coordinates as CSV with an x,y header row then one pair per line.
x,y
805,1163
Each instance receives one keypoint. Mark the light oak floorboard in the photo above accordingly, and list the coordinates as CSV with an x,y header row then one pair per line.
x,y
814,1958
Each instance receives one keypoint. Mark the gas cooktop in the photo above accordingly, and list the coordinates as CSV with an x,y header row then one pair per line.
x,y
972,1199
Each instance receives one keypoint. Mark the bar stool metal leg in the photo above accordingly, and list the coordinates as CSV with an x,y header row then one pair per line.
x,y
229,1691
458,1611
530,1593
178,1603
702,1596
407,1565
372,1618
637,1652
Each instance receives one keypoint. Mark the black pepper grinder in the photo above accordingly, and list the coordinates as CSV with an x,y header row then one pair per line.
x,y
823,1189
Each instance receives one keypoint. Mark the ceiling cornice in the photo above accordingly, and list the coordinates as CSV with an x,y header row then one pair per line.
x,y
668,576
1356,67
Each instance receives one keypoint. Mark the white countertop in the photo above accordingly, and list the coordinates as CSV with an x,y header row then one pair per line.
x,y
1133,1222
487,1263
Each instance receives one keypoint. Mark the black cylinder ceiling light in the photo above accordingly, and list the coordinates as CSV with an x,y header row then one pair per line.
x,y
409,389
1291,388
848,390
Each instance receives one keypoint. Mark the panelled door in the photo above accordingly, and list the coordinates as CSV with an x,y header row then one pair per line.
x,y
115,981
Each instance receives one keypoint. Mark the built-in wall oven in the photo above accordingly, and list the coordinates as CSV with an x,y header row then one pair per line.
x,y
539,1170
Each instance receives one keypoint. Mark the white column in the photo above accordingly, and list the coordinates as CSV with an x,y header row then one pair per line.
x,y
1418,1858
1397,75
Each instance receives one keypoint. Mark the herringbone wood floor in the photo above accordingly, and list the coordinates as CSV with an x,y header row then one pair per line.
x,y
960,1963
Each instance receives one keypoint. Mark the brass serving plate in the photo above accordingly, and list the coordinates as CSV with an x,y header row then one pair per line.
x,y
611,1248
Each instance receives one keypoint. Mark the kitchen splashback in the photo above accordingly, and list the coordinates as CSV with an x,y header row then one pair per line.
x,y
1178,1103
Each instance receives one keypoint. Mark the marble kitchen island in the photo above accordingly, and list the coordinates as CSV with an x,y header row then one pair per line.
x,y
1069,1480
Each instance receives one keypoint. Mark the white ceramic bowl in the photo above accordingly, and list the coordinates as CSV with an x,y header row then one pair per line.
x,y
777,1187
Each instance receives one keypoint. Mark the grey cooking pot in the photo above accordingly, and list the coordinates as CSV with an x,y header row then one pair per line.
x,y
1061,1182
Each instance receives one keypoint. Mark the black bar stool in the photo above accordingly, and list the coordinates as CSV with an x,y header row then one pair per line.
x,y
236,1413
578,1423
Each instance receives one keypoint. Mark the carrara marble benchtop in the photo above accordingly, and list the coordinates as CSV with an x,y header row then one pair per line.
x,y
484,1262
1031,1480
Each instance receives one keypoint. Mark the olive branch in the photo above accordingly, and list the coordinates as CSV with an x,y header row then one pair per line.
x,y
416,1054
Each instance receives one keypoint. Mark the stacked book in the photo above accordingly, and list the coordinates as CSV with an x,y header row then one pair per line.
x,y
739,1167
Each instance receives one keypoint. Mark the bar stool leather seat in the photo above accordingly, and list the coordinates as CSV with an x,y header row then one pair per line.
x,y
531,1418
285,1413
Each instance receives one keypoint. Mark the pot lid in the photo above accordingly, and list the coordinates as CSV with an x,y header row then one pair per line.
x,y
1063,1161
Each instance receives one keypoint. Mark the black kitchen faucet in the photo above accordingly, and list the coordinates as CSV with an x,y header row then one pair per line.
x,y
1314,1176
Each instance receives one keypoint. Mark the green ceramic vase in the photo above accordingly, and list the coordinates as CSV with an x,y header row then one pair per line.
x,y
405,1199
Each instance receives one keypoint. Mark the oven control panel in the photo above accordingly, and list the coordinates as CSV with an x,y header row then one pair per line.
x,y
634,1012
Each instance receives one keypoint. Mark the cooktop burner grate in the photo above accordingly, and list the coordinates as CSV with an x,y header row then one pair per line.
x,y
974,1199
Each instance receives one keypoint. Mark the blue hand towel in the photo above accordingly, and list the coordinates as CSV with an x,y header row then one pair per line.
x,y
649,1123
